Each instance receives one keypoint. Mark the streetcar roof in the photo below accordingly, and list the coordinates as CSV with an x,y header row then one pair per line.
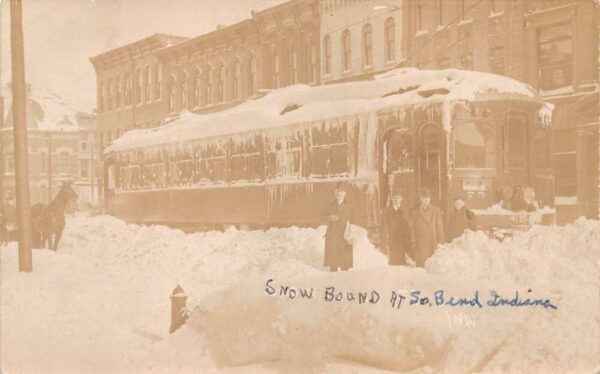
x,y
303,104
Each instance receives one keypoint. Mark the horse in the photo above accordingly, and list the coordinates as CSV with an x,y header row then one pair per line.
x,y
48,221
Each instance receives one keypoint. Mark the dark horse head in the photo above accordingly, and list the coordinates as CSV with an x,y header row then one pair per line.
x,y
49,220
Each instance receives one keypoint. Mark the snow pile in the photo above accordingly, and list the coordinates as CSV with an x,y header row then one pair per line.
x,y
563,261
261,322
398,87
101,302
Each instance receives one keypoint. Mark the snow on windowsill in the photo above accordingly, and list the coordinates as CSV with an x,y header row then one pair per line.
x,y
421,32
558,91
464,22
496,14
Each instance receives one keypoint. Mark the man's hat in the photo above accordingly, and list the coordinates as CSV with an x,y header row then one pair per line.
x,y
459,197
340,186
425,193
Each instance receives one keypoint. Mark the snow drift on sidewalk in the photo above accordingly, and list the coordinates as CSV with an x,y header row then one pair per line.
x,y
244,325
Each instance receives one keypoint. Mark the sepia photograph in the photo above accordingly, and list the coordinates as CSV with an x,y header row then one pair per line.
x,y
299,186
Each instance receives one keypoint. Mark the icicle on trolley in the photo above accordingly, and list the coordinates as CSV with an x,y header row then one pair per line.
x,y
274,160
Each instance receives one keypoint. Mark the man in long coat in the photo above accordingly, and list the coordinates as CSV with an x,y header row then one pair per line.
x,y
428,229
338,252
460,219
396,221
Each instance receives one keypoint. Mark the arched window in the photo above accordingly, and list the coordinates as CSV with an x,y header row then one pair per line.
x,y
346,51
184,95
276,67
253,79
198,89
237,80
474,146
327,54
390,40
293,63
367,34
221,85
210,81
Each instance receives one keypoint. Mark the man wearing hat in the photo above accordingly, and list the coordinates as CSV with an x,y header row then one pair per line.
x,y
427,226
338,252
397,230
460,219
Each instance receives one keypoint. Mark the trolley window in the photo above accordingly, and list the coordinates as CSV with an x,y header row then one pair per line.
x,y
181,167
284,157
210,164
329,150
474,146
246,161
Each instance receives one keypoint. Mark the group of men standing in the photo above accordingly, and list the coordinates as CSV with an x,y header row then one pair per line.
x,y
415,232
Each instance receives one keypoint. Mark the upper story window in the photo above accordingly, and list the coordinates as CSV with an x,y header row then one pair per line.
x,y
555,51
497,60
293,63
63,162
147,84
497,6
127,89
276,67
466,8
172,97
253,81
346,51
327,54
367,33
138,86
157,79
221,85
313,63
474,146
440,13
100,97
109,95
237,80
10,164
198,90
390,40
420,15
118,92
210,79
184,95
43,162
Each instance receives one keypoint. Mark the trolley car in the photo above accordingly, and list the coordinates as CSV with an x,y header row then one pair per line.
x,y
275,160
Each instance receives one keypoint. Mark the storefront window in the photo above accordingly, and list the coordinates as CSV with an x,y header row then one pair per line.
x,y
474,146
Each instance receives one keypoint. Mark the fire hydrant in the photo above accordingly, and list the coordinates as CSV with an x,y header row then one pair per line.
x,y
179,313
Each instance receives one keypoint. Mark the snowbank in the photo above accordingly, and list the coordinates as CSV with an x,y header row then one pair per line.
x,y
245,324
101,303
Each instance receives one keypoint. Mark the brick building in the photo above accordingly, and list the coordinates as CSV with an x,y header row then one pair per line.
x,y
61,142
550,44
130,87
364,37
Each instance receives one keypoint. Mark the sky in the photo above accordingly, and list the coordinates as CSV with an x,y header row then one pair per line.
x,y
61,35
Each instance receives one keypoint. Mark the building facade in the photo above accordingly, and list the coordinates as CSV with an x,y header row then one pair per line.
x,y
550,44
359,38
130,87
61,143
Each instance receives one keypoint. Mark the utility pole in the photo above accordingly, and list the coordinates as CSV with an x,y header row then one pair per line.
x,y
20,136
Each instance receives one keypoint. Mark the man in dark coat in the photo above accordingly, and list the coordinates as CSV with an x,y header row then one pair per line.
x,y
428,229
460,219
396,222
338,252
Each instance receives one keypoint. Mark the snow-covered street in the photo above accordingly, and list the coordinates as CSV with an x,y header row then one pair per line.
x,y
101,304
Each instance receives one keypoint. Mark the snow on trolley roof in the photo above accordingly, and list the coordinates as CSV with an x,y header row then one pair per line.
x,y
302,104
